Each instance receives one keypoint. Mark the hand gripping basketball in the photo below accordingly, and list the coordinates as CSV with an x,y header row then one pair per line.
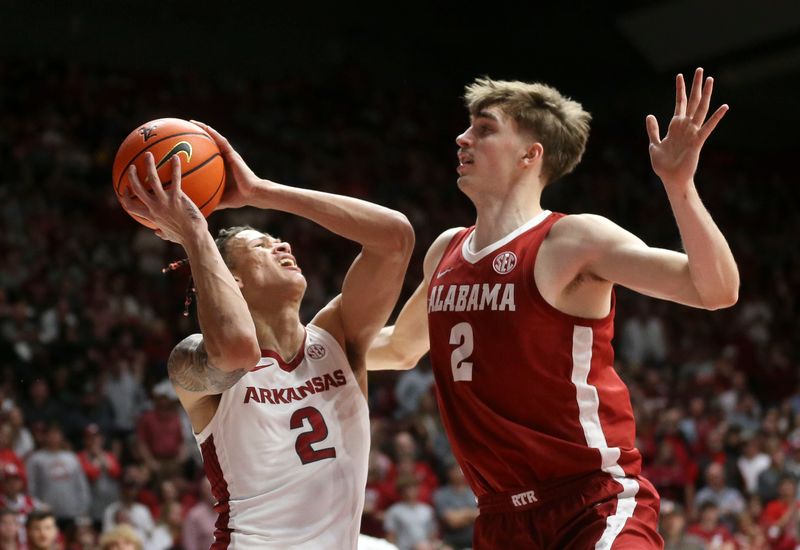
x,y
169,211
202,167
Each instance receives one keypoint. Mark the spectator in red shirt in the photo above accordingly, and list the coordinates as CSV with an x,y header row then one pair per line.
x,y
13,497
7,454
668,475
378,495
102,471
780,517
159,434
408,464
711,530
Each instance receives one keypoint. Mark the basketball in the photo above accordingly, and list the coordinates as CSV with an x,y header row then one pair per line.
x,y
202,168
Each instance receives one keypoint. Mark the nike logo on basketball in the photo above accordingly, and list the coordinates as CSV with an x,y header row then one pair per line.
x,y
181,147
443,273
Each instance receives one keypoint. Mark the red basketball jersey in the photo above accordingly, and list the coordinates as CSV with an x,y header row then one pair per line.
x,y
528,395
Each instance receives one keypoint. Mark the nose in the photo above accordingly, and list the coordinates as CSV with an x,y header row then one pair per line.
x,y
463,139
282,247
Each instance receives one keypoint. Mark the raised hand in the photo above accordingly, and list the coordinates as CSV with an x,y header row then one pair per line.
x,y
675,158
240,181
171,210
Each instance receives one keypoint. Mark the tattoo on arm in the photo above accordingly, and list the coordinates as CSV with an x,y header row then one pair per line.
x,y
190,369
191,209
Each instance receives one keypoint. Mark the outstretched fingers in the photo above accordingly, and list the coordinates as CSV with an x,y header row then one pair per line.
x,y
652,130
712,122
696,93
680,96
705,101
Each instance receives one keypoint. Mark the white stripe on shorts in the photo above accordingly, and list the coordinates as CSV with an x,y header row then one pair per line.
x,y
626,503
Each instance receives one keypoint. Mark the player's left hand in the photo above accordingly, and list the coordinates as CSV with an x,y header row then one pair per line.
x,y
171,210
240,180
675,158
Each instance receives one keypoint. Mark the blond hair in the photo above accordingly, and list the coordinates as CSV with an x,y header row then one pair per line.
x,y
120,533
560,124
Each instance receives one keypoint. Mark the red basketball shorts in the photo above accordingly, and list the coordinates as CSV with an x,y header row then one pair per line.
x,y
601,513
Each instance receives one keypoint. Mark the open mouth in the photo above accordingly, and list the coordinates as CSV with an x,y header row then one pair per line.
x,y
288,262
463,165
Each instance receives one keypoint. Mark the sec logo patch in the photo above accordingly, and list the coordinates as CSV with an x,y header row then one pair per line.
x,y
316,351
504,262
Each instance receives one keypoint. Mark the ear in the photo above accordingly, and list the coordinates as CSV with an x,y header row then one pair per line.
x,y
534,154
238,280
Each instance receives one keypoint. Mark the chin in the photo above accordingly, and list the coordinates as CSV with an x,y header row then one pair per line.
x,y
467,185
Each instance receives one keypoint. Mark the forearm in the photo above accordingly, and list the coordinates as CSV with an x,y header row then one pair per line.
x,y
712,267
384,354
229,334
402,345
371,225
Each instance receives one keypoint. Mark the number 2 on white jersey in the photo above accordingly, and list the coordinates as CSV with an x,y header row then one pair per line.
x,y
461,336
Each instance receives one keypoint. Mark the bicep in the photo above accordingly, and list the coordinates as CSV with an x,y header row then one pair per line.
x,y
191,371
369,293
624,259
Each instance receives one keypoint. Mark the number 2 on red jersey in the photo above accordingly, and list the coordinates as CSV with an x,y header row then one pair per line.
x,y
461,336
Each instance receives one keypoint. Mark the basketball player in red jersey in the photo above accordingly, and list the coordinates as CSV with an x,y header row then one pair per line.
x,y
278,409
518,310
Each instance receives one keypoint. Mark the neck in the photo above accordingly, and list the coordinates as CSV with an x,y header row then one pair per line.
x,y
280,330
500,215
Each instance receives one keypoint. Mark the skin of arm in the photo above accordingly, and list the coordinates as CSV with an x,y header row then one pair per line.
x,y
374,280
199,366
402,345
593,250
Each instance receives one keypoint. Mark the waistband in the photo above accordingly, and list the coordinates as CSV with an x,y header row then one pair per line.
x,y
533,496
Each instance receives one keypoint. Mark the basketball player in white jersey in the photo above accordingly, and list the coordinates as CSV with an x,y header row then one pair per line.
x,y
279,409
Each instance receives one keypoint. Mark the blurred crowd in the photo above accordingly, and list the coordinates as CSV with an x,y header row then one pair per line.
x,y
95,451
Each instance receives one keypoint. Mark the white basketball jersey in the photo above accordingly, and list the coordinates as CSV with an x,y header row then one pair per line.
x,y
286,452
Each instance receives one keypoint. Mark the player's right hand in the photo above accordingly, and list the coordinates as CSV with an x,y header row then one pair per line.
x,y
170,209
240,180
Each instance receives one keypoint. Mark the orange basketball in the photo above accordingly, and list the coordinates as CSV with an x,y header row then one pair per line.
x,y
202,168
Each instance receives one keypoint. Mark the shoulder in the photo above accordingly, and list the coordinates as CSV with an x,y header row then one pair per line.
x,y
444,238
581,226
585,234
190,344
436,250
329,319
